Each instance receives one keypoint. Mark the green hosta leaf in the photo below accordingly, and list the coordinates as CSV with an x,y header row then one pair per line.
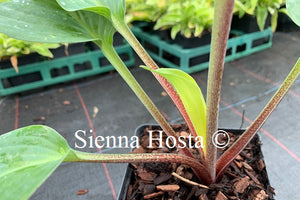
x,y
271,10
198,30
98,26
262,14
187,32
46,21
284,11
108,8
40,21
190,95
91,5
43,48
168,20
27,158
293,9
175,29
252,6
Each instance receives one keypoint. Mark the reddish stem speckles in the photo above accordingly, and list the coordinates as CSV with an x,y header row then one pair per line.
x,y
221,26
143,158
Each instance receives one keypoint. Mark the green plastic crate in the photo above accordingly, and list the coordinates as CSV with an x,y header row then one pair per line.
x,y
197,59
59,70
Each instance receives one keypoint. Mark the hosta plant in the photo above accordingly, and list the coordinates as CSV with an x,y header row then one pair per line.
x,y
30,154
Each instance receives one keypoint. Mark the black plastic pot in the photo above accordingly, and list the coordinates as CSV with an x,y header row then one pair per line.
x,y
72,49
129,175
22,60
285,24
248,23
59,52
193,42
118,41
185,43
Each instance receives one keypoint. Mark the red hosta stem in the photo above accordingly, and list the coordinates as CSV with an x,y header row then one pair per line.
x,y
225,160
220,33
143,158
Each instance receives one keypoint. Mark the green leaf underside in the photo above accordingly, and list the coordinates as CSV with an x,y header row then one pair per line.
x,y
293,9
191,97
90,5
27,158
46,21
98,27
107,8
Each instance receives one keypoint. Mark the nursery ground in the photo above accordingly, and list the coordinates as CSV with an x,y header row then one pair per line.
x,y
106,105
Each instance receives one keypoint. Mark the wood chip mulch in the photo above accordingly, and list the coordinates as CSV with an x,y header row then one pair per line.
x,y
245,179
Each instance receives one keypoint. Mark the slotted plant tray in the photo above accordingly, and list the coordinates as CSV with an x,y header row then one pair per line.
x,y
59,70
197,58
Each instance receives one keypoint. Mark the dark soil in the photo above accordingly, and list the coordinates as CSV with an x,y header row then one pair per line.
x,y
246,178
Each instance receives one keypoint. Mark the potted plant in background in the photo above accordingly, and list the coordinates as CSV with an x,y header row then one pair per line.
x,y
186,18
265,13
12,49
177,33
36,151
17,53
192,18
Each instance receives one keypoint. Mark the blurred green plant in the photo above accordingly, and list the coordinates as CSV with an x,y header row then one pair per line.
x,y
260,9
145,10
187,17
193,17
12,48
190,18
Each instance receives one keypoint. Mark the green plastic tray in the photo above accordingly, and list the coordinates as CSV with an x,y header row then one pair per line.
x,y
197,59
59,70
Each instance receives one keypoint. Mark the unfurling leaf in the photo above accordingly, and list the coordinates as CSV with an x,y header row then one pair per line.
x,y
191,96
27,158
